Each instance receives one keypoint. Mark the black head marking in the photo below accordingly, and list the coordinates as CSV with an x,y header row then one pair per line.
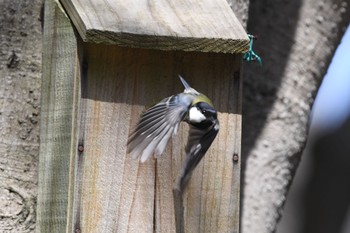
x,y
207,110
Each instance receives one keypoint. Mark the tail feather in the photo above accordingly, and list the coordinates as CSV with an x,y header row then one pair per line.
x,y
187,87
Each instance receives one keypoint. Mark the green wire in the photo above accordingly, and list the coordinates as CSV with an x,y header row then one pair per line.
x,y
250,55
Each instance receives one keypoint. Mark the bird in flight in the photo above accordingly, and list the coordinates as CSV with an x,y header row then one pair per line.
x,y
160,122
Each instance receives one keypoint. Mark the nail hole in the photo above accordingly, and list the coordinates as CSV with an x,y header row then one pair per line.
x,y
235,158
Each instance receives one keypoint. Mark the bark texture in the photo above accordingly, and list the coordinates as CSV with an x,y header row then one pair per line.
x,y
296,42
20,79
240,8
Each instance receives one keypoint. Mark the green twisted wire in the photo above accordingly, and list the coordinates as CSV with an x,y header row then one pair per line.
x,y
251,55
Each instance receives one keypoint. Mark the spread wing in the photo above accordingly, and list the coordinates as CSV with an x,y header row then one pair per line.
x,y
156,126
199,141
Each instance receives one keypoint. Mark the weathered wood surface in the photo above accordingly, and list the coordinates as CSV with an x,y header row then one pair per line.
x,y
60,88
188,25
93,95
119,194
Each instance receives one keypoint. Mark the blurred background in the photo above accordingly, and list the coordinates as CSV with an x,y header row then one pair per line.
x,y
319,198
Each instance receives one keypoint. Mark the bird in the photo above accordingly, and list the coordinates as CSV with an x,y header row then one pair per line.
x,y
161,121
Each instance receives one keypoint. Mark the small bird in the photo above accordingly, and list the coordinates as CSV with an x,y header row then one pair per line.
x,y
161,121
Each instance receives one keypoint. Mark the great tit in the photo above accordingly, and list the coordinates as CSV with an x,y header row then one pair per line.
x,y
161,121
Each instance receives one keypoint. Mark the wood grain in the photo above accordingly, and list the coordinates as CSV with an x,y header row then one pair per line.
x,y
58,119
188,25
119,194
93,95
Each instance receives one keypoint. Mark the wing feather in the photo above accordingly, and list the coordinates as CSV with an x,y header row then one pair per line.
x,y
153,144
156,126
145,138
163,142
147,121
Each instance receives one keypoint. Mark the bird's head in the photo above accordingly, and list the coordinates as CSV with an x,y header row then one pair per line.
x,y
201,112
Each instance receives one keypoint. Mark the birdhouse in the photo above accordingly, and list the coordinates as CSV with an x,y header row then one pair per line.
x,y
104,64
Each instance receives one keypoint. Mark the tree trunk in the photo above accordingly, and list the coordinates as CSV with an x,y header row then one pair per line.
x,y
20,73
296,42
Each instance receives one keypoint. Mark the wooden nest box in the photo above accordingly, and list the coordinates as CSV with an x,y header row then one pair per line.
x,y
104,63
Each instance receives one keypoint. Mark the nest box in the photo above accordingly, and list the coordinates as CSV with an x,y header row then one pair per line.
x,y
104,63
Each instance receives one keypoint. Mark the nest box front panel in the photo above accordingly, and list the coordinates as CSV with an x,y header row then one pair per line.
x,y
121,194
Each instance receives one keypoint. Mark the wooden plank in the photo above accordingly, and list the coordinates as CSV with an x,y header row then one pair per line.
x,y
119,194
58,118
188,25
92,97
213,201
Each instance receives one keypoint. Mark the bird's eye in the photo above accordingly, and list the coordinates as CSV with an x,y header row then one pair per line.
x,y
203,111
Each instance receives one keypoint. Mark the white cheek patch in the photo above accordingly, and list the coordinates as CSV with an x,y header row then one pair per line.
x,y
195,115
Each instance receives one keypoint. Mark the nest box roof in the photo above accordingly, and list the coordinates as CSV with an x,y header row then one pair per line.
x,y
188,25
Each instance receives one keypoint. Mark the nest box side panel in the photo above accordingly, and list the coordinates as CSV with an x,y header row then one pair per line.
x,y
59,107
